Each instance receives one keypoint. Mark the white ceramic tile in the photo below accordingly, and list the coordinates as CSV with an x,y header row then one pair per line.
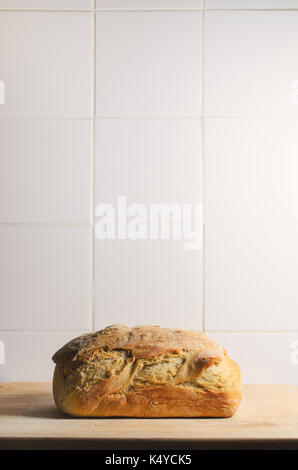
x,y
146,282
148,64
44,277
250,62
251,278
45,63
45,170
150,161
263,358
246,4
148,4
28,356
45,4
251,170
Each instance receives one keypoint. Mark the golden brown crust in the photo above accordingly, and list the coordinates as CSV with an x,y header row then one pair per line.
x,y
142,341
146,371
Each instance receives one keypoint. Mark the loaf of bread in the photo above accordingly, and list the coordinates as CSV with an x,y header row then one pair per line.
x,y
145,371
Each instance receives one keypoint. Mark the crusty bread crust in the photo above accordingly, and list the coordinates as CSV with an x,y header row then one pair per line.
x,y
145,371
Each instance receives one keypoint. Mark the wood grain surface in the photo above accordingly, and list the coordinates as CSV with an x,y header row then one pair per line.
x,y
267,418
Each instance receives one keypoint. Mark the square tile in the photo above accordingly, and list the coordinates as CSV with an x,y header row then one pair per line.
x,y
148,4
45,171
147,282
276,354
45,277
253,4
28,355
148,64
45,4
251,278
251,170
150,161
54,78
250,62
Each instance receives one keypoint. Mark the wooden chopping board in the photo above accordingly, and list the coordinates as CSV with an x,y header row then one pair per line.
x,y
267,418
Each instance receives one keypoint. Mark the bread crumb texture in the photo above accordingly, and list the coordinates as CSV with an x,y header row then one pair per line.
x,y
145,371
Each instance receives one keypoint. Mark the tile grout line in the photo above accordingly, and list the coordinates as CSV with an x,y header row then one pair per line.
x,y
92,176
251,9
251,116
46,330
251,332
202,175
225,332
49,118
208,224
251,224
148,10
144,10
195,117
20,10
45,224
144,116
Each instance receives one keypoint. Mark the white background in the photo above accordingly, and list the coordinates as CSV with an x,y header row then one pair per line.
x,y
162,101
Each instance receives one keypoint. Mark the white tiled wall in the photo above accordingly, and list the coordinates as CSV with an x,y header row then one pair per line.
x,y
251,169
251,68
251,277
46,63
163,101
148,4
45,170
46,4
150,160
250,4
155,71
45,277
141,282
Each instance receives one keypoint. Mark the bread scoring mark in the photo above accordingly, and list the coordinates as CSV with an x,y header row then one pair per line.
x,y
142,341
117,371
